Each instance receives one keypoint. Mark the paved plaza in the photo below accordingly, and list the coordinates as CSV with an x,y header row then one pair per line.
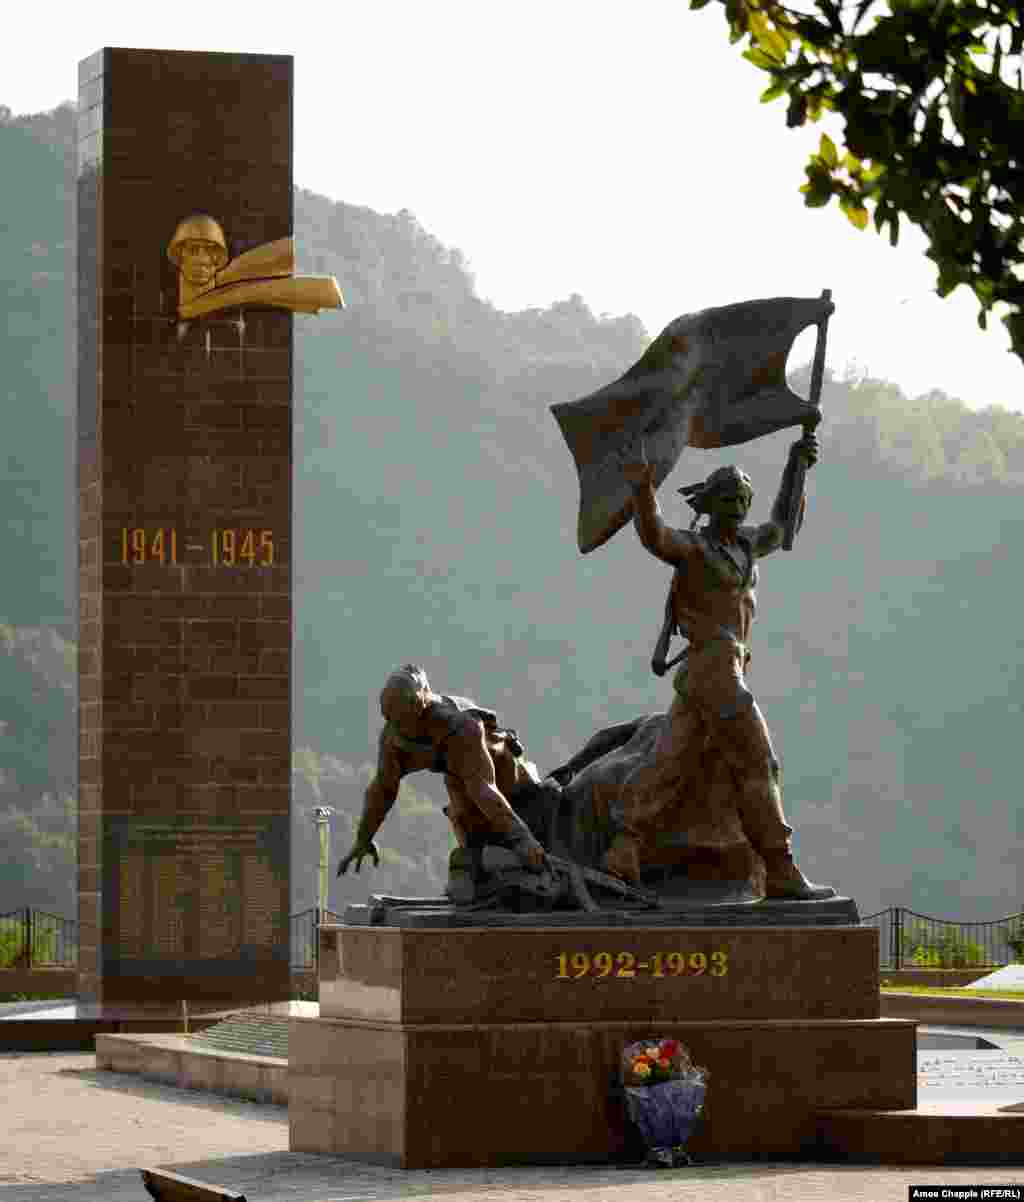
x,y
75,1134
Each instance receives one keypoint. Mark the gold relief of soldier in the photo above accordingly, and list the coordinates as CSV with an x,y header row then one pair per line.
x,y
209,280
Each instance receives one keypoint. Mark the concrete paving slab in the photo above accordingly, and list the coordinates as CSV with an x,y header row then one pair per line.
x,y
291,1177
1010,977
78,1135
952,1079
54,1009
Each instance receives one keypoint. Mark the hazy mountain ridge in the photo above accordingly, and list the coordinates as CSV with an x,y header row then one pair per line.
x,y
435,520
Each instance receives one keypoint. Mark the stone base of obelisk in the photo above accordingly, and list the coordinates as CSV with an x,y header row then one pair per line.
x,y
480,1047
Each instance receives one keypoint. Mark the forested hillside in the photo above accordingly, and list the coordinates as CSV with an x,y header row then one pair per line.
x,y
435,521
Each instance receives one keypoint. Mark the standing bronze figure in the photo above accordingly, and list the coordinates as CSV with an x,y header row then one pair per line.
x,y
700,783
712,603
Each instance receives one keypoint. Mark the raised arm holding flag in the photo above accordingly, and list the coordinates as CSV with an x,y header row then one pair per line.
x,y
715,378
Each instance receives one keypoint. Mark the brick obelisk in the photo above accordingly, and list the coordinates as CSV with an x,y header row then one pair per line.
x,y
184,475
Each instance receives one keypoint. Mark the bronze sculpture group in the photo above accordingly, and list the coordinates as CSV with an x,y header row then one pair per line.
x,y
651,806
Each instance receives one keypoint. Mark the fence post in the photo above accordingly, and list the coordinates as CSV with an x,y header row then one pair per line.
x,y
896,937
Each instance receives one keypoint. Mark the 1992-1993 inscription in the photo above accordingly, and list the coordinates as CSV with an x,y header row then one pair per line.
x,y
572,966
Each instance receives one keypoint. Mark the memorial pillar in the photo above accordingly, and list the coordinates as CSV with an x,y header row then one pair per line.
x,y
185,512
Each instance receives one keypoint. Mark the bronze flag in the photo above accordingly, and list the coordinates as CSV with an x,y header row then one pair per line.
x,y
710,379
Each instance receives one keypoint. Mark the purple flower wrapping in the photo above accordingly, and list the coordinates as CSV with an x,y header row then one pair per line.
x,y
666,1113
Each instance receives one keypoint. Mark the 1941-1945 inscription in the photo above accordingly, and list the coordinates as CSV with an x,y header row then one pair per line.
x,y
228,546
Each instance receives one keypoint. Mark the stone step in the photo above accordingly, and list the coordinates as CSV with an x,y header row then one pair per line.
x,y
248,1034
943,1132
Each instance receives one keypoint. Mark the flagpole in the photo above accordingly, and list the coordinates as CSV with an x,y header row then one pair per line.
x,y
800,469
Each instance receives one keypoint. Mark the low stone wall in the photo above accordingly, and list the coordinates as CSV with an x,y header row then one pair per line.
x,y
63,982
933,978
954,1011
176,1060
54,982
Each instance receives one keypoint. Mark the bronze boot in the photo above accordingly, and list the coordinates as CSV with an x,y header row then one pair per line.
x,y
783,880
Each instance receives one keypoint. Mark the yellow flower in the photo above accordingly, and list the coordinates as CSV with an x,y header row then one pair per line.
x,y
642,1070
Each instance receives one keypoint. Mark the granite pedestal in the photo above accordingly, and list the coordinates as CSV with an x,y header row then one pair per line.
x,y
481,1046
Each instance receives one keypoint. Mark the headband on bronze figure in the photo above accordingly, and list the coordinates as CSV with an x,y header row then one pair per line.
x,y
698,495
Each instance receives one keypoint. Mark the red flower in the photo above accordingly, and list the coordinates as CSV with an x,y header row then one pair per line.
x,y
669,1047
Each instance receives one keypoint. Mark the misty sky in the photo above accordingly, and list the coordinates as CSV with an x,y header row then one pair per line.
x,y
611,149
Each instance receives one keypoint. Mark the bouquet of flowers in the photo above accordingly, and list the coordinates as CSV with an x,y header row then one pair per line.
x,y
664,1097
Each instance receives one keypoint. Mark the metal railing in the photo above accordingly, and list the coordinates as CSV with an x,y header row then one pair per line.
x,y
912,940
305,946
32,938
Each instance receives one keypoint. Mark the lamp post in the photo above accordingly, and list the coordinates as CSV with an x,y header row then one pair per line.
x,y
322,818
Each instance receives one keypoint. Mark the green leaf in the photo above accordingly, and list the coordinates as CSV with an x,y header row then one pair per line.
x,y
738,16
819,186
758,23
785,34
695,4
858,217
828,152
984,290
816,104
768,39
775,44
758,57
773,91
